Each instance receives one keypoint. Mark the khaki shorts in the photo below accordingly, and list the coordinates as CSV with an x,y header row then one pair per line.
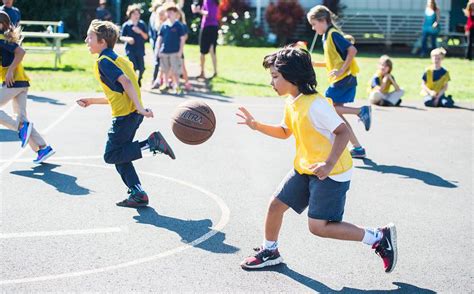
x,y
172,61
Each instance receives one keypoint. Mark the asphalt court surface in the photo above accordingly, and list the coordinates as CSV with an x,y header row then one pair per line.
x,y
61,231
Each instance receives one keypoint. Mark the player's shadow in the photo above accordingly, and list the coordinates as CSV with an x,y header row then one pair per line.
x,y
62,182
188,230
322,288
411,173
8,136
41,99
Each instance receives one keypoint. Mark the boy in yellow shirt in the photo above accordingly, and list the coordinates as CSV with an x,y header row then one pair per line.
x,y
322,168
120,84
435,82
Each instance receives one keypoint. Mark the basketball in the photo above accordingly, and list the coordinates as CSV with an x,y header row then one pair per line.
x,y
193,122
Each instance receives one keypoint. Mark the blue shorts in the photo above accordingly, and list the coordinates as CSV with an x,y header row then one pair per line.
x,y
326,199
343,91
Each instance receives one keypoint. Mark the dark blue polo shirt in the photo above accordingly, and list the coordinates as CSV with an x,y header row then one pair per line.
x,y
109,72
138,48
171,37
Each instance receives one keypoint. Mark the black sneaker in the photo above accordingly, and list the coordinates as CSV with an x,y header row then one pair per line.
x,y
136,199
386,248
263,258
158,144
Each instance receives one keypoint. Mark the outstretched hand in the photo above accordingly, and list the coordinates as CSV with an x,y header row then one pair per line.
x,y
248,119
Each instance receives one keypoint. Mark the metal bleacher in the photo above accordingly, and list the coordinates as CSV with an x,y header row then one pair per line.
x,y
382,27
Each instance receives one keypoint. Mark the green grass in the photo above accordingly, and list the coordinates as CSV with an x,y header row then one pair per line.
x,y
241,73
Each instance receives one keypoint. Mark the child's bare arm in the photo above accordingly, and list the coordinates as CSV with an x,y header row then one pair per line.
x,y
158,45
442,91
269,130
85,102
384,82
428,90
181,45
318,64
132,93
394,83
322,169
10,76
128,40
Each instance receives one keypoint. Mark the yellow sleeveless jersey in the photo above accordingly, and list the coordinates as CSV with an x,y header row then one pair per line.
x,y
333,59
311,146
438,84
6,56
118,99
385,89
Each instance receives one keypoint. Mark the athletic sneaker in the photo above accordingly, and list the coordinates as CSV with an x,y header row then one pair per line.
x,y
158,144
44,154
163,87
386,248
365,116
25,132
358,152
136,199
263,258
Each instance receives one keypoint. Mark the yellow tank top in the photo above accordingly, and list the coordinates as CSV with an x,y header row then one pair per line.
x,y
311,146
385,89
20,76
119,102
435,85
334,61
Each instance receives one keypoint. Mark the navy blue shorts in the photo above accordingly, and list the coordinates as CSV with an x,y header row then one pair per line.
x,y
325,199
343,91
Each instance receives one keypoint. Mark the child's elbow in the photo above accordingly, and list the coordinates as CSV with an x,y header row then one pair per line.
x,y
353,50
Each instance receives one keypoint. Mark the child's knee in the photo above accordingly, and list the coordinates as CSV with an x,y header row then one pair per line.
x,y
277,206
318,227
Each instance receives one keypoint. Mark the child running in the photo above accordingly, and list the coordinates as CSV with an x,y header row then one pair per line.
x,y
119,82
379,87
322,165
435,82
15,84
340,63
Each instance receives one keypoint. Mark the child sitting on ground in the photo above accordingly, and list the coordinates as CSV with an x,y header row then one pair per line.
x,y
435,82
379,87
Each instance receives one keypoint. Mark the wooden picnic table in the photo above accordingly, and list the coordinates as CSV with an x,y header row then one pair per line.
x,y
52,40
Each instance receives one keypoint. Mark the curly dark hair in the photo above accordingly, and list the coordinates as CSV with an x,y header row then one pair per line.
x,y
295,66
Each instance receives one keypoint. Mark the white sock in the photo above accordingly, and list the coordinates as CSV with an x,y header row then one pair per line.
x,y
270,245
145,147
372,236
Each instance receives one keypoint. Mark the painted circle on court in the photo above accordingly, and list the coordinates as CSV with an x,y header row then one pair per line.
x,y
222,222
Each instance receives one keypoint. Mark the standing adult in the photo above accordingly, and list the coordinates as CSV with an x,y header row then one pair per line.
x,y
430,26
13,12
469,28
208,34
101,12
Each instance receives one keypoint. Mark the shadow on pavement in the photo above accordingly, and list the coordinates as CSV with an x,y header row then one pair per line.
x,y
322,288
62,182
411,173
8,136
188,230
42,99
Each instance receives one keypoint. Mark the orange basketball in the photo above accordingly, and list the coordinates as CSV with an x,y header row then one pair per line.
x,y
193,122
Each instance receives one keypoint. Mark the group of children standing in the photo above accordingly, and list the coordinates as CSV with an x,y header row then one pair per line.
x,y
167,32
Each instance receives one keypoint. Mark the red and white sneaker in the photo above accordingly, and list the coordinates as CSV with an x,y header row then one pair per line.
x,y
263,258
386,248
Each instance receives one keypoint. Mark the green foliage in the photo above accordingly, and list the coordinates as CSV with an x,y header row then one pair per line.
x,y
68,11
240,30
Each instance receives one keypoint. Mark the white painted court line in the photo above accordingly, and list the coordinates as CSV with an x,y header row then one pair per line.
x,y
60,233
56,158
224,219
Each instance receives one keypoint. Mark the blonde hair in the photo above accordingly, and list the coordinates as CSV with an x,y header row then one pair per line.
x,y
132,8
467,10
12,34
105,30
385,59
321,12
438,51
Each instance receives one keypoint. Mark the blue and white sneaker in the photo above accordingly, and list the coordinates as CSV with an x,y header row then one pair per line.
x,y
365,116
25,132
44,154
358,152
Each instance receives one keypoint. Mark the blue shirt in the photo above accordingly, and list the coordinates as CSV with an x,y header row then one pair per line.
x,y
102,13
437,74
138,48
171,37
13,13
109,72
